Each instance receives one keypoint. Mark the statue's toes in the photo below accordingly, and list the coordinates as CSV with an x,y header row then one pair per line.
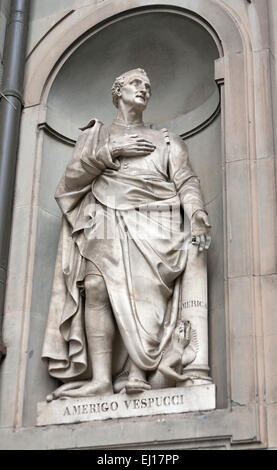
x,y
58,393
69,394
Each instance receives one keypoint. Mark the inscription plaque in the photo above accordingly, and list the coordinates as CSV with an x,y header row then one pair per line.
x,y
154,402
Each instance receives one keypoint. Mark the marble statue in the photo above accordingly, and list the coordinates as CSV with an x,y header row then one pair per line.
x,y
130,273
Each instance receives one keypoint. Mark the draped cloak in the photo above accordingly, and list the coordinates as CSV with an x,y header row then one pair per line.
x,y
124,217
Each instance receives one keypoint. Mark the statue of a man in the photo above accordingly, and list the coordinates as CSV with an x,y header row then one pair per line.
x,y
116,292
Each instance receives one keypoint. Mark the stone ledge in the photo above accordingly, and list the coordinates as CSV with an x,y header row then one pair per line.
x,y
154,402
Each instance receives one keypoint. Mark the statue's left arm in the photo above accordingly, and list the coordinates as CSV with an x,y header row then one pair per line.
x,y
189,190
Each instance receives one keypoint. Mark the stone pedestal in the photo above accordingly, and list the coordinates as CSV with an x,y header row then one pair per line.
x,y
154,402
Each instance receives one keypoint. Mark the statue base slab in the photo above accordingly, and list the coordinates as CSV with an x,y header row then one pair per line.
x,y
154,402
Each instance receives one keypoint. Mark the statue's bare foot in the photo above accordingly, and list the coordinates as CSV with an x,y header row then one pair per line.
x,y
90,389
68,386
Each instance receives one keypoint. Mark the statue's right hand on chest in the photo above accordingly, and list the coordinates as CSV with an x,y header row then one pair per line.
x,y
130,146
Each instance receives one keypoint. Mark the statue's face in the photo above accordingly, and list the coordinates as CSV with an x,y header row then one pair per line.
x,y
136,91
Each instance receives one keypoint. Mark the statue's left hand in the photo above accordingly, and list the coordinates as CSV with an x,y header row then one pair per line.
x,y
200,230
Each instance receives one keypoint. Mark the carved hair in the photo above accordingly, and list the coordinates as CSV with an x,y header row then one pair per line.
x,y
119,82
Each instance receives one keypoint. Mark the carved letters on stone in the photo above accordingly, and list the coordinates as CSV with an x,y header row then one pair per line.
x,y
166,401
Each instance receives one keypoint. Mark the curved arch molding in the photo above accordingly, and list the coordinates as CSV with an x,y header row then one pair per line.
x,y
177,53
63,40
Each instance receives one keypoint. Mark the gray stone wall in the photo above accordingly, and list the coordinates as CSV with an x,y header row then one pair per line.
x,y
46,14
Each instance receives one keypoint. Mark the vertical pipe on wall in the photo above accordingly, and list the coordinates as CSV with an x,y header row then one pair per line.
x,y
11,103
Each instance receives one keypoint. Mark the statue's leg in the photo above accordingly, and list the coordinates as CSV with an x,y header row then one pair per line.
x,y
99,326
137,380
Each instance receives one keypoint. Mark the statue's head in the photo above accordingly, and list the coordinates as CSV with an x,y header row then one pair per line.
x,y
132,86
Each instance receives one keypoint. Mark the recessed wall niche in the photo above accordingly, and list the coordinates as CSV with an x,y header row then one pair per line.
x,y
178,54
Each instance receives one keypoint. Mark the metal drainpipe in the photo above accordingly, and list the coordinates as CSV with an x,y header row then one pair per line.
x,y
11,104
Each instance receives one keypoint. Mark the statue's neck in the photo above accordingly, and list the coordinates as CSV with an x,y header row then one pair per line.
x,y
129,117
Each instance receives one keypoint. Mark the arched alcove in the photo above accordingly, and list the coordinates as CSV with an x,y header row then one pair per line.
x,y
178,54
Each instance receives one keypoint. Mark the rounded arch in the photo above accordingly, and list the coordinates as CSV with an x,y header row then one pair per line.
x,y
42,66
178,54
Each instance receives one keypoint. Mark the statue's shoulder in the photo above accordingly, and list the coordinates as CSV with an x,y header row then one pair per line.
x,y
173,139
92,124
177,139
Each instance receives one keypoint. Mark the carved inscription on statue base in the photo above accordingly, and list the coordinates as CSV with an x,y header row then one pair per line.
x,y
154,402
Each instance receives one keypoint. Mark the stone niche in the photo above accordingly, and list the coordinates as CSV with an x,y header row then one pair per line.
x,y
178,54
